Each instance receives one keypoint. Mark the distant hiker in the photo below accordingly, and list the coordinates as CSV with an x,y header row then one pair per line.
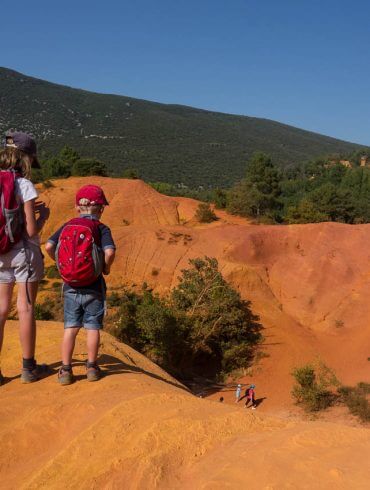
x,y
238,392
84,250
250,394
21,260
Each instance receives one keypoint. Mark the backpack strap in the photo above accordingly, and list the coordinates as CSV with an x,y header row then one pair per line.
x,y
29,267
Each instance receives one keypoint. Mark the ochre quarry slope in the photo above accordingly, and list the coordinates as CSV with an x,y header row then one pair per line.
x,y
309,284
138,428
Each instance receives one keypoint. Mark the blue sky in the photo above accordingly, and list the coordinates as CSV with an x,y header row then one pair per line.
x,y
301,62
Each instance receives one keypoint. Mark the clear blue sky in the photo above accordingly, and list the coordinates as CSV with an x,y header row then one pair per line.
x,y
301,62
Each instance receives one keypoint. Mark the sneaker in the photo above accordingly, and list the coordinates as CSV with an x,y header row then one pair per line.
x,y
93,373
32,375
254,408
65,377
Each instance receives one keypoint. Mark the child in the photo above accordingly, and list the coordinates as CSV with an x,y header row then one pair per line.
x,y
250,393
84,294
238,393
21,260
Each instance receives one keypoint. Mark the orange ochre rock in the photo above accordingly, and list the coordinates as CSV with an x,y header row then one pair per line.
x,y
138,428
309,284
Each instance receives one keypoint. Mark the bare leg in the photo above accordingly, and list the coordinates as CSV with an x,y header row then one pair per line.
x,y
93,341
27,322
68,344
6,291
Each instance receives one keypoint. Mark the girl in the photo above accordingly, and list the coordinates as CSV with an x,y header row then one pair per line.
x,y
251,397
23,263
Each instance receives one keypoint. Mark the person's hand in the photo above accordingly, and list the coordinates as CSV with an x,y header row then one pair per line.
x,y
106,270
42,210
43,213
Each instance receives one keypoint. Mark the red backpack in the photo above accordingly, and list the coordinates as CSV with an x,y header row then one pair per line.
x,y
11,213
78,254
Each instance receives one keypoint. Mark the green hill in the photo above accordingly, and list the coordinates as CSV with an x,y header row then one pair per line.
x,y
170,143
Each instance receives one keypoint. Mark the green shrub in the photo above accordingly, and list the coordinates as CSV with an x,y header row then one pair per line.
x,y
47,184
205,214
314,386
364,387
219,197
130,173
202,327
52,272
356,400
114,299
42,284
125,328
43,312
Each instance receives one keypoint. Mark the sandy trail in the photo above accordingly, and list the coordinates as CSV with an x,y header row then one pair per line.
x,y
138,428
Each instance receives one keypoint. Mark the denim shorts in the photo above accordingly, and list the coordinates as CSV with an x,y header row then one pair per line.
x,y
83,310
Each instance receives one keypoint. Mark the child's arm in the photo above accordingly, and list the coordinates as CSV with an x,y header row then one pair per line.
x,y
109,256
50,249
34,225
51,244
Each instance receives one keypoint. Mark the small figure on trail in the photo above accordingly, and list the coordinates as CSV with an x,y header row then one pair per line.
x,y
84,250
21,260
250,394
238,392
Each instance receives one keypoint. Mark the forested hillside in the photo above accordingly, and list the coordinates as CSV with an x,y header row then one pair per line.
x,y
168,143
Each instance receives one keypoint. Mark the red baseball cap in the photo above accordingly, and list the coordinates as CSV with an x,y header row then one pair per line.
x,y
93,193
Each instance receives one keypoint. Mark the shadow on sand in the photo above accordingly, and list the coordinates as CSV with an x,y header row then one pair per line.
x,y
110,366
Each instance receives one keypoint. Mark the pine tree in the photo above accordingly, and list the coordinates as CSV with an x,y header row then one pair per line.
x,y
258,194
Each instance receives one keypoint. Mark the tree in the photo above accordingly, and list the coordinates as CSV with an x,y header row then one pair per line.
x,y
54,167
336,202
160,329
221,327
68,155
305,212
357,181
88,166
220,198
202,327
257,194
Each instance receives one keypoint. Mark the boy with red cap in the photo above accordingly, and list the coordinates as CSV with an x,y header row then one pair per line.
x,y
84,250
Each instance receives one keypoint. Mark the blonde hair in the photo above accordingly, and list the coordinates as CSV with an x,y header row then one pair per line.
x,y
17,160
85,207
